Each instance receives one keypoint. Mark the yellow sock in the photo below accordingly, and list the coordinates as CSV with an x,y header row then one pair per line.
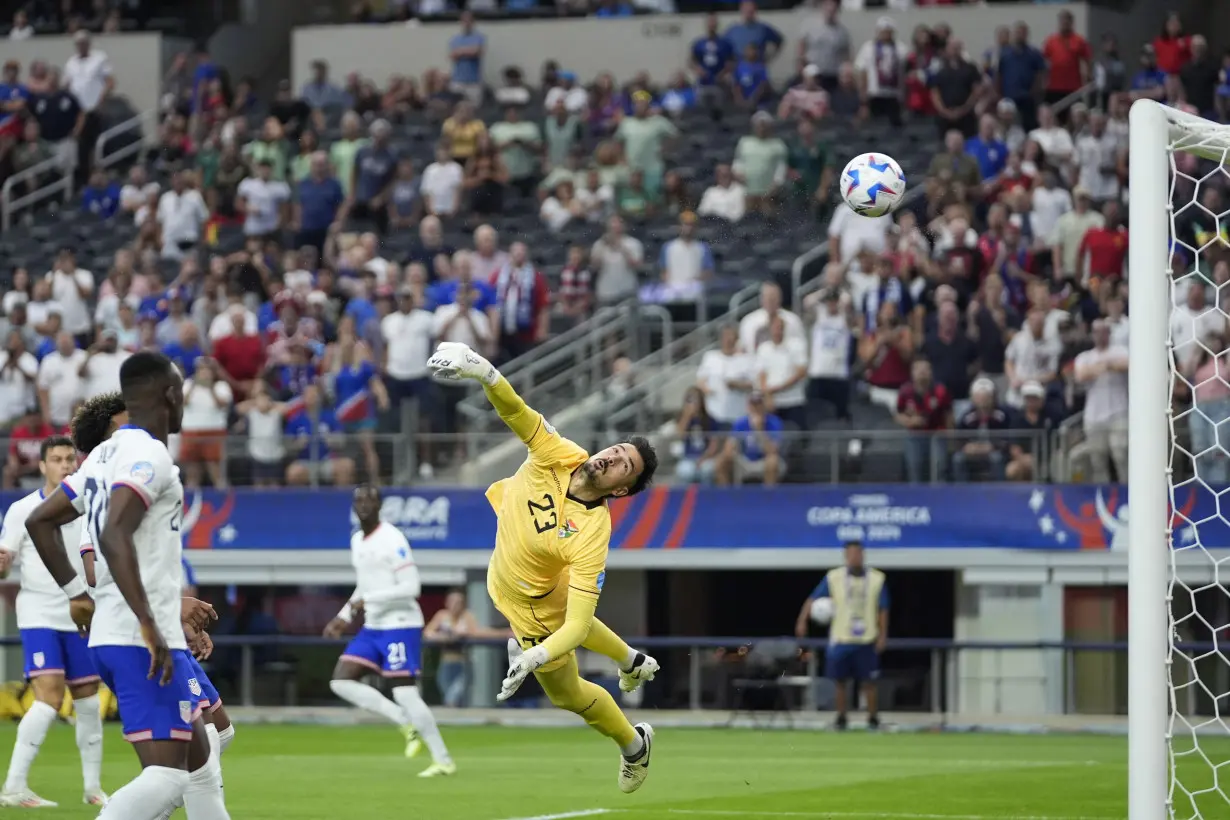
x,y
603,640
569,691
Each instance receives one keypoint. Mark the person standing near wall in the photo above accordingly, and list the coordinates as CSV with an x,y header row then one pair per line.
x,y
89,78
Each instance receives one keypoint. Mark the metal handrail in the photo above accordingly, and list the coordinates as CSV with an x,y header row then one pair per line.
x,y
104,160
9,206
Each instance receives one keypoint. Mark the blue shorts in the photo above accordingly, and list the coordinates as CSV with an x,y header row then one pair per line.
x,y
202,687
149,711
852,661
394,653
56,652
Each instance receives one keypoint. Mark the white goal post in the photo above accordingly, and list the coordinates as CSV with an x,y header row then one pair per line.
x,y
1169,775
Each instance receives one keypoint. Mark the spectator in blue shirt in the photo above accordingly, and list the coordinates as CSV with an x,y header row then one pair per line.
x,y
752,88
750,31
13,98
186,350
613,8
315,431
753,449
712,58
101,197
698,440
318,203
986,148
374,167
205,71
466,51
1019,74
1149,83
320,93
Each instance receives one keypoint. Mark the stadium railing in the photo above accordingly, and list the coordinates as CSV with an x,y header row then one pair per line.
x,y
56,178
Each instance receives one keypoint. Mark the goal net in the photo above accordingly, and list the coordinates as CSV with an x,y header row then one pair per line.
x,y
1179,466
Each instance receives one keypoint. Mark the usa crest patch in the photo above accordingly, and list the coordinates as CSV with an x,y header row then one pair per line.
x,y
185,711
194,687
39,659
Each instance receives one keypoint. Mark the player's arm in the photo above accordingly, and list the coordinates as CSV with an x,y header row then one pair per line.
x,y
87,557
406,581
63,506
11,533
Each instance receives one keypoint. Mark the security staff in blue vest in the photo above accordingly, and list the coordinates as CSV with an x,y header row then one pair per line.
x,y
857,633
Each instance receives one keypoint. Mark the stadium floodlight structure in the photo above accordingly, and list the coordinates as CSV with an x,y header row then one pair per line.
x,y
1174,157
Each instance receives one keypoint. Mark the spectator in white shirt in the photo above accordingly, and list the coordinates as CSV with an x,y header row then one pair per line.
x,y
459,321
754,328
264,202
725,198
1030,356
781,374
1104,372
408,342
21,29
88,76
1097,159
137,191
726,377
42,307
59,381
440,185
686,261
18,376
850,233
207,407
616,258
100,371
573,95
181,213
1054,140
72,287
1193,324
1050,202
828,366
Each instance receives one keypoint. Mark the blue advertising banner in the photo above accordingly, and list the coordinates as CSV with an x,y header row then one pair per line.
x,y
1005,516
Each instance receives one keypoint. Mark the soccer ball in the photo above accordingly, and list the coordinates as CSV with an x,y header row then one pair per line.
x,y
872,184
822,610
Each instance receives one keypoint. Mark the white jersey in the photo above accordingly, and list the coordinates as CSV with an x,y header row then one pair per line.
x,y
132,458
386,579
81,489
41,604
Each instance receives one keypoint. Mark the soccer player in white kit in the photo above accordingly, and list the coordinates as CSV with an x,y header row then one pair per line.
x,y
134,502
57,657
390,642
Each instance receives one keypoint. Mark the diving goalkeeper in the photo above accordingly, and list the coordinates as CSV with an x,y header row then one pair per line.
x,y
549,563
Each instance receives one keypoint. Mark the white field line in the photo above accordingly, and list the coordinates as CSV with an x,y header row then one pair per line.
x,y
812,760
564,815
887,814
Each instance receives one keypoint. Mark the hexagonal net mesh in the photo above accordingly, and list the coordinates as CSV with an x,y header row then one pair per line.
x,y
1198,666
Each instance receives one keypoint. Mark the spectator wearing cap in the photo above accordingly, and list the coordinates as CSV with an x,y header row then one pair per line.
x,y
986,148
806,100
72,288
523,300
1035,423
465,49
574,97
953,355
1069,60
1103,373
686,262
318,205
58,383
88,75
825,43
711,59
181,215
956,88
1149,81
781,374
1103,251
923,409
725,199
751,86
752,31
760,163
881,65
644,136
25,438
1070,232
753,448
375,165
1032,355
955,162
981,443
263,201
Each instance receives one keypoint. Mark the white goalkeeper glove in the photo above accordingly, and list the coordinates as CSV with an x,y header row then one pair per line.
x,y
520,666
454,361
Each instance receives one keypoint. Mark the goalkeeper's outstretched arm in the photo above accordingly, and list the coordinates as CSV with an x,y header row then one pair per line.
x,y
454,361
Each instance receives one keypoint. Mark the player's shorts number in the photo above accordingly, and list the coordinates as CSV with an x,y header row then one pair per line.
x,y
397,654
543,515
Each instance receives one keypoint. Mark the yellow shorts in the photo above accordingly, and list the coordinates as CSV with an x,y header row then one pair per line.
x,y
533,620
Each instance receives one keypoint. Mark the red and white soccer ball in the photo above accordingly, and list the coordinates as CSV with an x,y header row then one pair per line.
x,y
872,184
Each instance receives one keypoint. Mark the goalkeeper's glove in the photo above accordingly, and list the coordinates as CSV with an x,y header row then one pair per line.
x,y
520,666
454,361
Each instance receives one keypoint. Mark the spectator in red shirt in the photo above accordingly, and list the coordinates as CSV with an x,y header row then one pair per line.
x,y
924,409
24,442
241,356
1103,251
576,286
523,298
1069,57
1172,47
923,59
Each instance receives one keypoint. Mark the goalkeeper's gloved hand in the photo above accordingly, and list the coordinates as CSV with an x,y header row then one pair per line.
x,y
520,666
454,361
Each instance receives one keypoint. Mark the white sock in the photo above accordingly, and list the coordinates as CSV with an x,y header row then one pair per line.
x,y
630,662
420,717
215,750
147,796
89,741
225,737
31,733
633,749
365,697
203,797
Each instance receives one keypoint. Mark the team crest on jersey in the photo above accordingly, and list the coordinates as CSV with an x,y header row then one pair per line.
x,y
185,711
39,659
142,472
568,529
194,686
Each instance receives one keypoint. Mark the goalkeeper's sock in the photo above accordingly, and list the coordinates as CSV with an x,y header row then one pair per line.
x,y
569,691
603,640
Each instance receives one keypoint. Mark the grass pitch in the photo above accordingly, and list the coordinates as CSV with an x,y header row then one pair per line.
x,y
354,773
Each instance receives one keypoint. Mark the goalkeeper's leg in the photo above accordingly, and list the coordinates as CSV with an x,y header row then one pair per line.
x,y
569,691
635,667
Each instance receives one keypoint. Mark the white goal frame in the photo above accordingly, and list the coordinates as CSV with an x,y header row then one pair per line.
x,y
1156,132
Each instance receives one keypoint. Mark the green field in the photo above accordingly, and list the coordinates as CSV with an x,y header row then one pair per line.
x,y
353,773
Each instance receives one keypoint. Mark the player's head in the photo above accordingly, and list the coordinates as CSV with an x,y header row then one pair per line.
x,y
57,458
153,389
622,469
366,503
96,419
854,554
